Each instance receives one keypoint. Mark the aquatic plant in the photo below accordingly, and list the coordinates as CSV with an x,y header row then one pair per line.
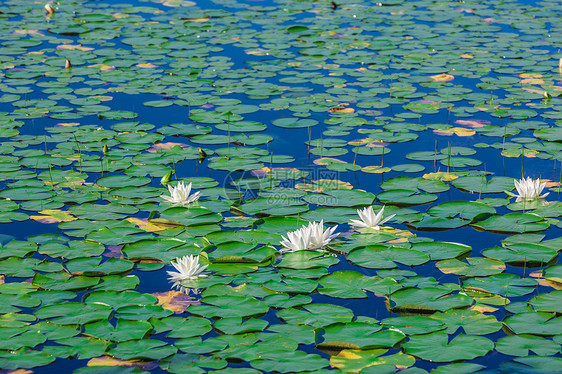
x,y
188,268
311,237
180,194
369,219
529,189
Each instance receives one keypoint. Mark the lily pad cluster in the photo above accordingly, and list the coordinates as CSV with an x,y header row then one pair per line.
x,y
277,116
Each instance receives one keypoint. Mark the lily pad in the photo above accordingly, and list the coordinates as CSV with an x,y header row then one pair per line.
x,y
386,257
536,323
359,335
513,223
521,345
316,315
437,347
428,300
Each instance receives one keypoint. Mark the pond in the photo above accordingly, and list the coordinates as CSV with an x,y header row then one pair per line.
x,y
280,186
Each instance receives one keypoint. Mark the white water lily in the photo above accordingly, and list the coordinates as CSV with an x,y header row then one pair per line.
x,y
529,189
369,219
188,268
311,237
180,194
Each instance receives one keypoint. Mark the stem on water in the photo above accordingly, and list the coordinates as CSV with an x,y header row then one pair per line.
x,y
79,152
51,176
522,166
448,156
435,156
271,171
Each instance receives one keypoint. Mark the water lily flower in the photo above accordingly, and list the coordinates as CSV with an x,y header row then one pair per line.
x,y
49,8
369,219
311,237
529,189
188,268
180,194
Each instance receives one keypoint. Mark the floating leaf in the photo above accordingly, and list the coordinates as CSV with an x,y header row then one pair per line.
x,y
147,349
437,347
513,223
413,325
24,358
359,335
229,306
537,323
520,345
354,361
316,315
474,266
386,257
428,300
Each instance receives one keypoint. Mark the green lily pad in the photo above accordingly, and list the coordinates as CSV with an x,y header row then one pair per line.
x,y
370,361
316,315
442,250
123,331
63,281
14,339
191,363
521,345
24,358
531,254
413,325
79,347
343,284
302,334
117,299
405,197
94,267
483,185
437,347
229,306
506,285
513,223
540,363
163,249
302,260
474,266
25,267
283,301
74,313
359,335
294,123
17,248
341,198
428,300
73,249
235,325
429,223
181,327
292,285
536,323
386,257
146,349
463,209
547,302
288,362
471,321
